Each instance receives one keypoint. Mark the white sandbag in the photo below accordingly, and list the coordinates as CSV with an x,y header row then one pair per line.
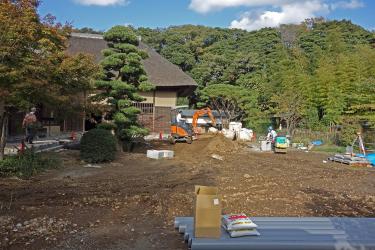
x,y
246,134
229,134
235,126
234,222
241,233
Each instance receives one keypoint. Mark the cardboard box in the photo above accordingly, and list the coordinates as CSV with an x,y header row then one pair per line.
x,y
207,212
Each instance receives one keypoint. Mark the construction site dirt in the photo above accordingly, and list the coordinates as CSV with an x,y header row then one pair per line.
x,y
131,203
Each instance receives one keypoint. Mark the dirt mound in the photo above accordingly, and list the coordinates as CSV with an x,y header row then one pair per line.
x,y
221,145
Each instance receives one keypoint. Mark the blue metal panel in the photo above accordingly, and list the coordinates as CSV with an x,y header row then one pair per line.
x,y
291,233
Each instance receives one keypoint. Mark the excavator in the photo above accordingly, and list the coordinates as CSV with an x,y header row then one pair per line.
x,y
182,131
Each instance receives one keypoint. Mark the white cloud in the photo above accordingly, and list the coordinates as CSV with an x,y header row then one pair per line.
x,y
204,6
294,12
280,12
353,4
102,2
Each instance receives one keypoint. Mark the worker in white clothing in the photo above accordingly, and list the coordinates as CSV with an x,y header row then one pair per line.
x,y
179,118
271,136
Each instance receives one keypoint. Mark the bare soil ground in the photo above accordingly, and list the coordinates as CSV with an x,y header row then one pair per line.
x,y
131,203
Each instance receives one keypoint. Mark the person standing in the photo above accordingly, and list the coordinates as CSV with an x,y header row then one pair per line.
x,y
29,123
271,136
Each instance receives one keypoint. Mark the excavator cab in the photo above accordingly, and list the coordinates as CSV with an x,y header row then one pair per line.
x,y
182,131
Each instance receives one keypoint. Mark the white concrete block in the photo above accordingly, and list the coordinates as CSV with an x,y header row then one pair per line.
x,y
155,154
168,153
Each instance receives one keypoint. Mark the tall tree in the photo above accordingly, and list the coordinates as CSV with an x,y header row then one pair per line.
x,y
123,76
292,93
31,58
361,104
234,102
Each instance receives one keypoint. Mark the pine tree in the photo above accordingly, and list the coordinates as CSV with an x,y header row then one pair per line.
x,y
123,76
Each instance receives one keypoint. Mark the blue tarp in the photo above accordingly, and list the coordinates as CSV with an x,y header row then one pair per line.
x,y
369,157
317,143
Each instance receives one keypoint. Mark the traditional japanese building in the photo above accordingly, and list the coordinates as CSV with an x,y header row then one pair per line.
x,y
169,80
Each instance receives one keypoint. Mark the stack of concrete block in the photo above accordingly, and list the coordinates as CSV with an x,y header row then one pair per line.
x,y
350,160
159,154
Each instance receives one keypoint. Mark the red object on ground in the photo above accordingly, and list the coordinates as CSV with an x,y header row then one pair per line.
x,y
161,135
22,147
73,135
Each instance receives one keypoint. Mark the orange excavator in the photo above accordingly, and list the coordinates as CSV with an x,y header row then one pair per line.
x,y
182,131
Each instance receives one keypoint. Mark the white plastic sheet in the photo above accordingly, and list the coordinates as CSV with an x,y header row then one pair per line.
x,y
246,134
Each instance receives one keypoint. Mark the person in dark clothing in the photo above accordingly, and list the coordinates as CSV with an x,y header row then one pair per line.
x,y
29,123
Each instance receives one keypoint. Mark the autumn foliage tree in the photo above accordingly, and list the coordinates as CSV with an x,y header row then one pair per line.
x,y
34,67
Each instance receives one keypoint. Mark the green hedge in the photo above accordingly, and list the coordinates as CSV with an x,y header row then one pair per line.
x,y
98,145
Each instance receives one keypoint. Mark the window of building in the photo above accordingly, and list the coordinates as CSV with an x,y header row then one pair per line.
x,y
146,108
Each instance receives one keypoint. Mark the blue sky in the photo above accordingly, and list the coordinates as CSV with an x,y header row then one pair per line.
x,y
244,14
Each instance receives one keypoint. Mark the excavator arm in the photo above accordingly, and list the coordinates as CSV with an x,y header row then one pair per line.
x,y
201,112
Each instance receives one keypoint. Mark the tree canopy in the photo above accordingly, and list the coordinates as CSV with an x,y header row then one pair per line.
x,y
312,75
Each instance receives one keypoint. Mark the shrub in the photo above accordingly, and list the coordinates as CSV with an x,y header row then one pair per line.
x,y
27,164
106,126
98,145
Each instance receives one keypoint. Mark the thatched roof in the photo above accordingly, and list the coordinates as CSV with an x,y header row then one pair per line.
x,y
88,44
160,71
